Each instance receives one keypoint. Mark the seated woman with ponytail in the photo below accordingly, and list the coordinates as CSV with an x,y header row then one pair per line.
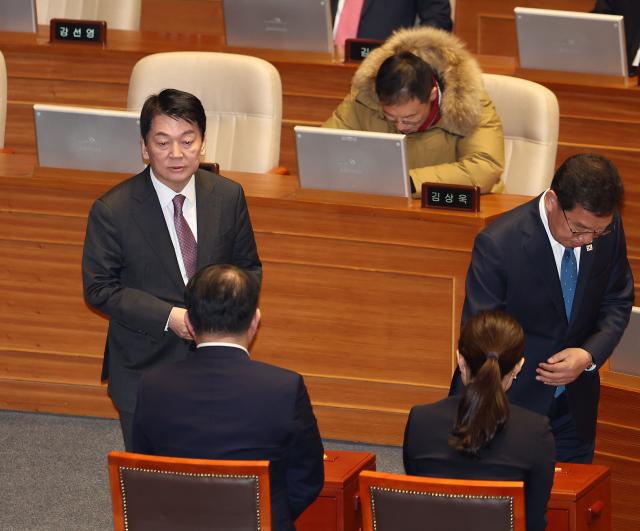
x,y
479,435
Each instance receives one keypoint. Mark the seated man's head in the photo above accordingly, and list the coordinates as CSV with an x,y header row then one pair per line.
x,y
585,193
406,88
172,128
222,305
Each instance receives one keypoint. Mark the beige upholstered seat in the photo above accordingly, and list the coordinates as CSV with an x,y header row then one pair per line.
x,y
241,95
119,14
530,118
394,502
3,99
153,493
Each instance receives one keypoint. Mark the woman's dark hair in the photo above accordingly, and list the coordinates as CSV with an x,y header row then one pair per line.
x,y
491,343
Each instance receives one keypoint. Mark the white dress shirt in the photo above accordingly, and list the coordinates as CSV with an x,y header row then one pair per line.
x,y
165,196
556,246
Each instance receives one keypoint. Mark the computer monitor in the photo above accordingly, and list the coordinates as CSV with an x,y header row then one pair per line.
x,y
625,357
88,139
303,25
570,41
352,161
18,15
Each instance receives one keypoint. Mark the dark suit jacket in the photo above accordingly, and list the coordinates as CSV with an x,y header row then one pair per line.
x,y
131,273
630,10
219,404
512,268
380,18
522,451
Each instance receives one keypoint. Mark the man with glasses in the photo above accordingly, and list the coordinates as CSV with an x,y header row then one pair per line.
x,y
422,82
558,264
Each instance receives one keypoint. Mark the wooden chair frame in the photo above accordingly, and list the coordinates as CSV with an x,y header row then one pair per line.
x,y
440,486
119,460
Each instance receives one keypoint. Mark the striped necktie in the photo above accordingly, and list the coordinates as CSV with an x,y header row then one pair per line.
x,y
188,245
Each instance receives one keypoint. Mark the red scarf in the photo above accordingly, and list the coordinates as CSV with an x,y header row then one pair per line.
x,y
434,112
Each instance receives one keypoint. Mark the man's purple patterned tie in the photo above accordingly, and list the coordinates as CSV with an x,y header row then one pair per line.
x,y
187,242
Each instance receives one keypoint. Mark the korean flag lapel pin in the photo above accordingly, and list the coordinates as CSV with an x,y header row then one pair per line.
x,y
589,247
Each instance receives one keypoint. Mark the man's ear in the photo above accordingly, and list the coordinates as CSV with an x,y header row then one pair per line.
x,y
433,95
253,327
143,148
189,326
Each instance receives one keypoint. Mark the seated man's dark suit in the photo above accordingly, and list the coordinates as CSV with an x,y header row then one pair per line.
x,y
522,450
131,273
513,269
219,404
380,18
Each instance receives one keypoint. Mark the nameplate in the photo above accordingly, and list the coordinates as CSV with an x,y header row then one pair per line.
x,y
451,196
357,50
80,31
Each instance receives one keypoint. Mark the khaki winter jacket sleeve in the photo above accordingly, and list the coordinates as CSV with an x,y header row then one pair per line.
x,y
479,157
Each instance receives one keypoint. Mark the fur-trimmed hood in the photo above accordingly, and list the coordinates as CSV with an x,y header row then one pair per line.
x,y
458,72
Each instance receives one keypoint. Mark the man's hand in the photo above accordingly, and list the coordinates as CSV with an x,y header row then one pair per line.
x,y
177,322
564,366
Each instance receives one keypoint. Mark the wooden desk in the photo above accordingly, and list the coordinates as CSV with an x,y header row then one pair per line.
x,y
338,508
602,118
363,300
580,498
346,286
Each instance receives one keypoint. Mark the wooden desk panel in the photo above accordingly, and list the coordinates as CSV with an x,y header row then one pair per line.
x,y
337,507
51,349
490,24
580,498
344,283
39,71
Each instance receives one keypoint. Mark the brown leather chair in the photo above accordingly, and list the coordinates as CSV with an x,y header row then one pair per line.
x,y
394,502
153,493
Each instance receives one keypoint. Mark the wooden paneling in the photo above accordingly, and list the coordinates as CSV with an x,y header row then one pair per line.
x,y
347,287
183,16
625,486
408,266
489,24
496,35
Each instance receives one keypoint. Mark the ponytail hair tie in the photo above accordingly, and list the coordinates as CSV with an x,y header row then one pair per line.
x,y
492,356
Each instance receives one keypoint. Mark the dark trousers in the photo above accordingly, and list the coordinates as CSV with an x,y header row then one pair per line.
x,y
126,424
570,447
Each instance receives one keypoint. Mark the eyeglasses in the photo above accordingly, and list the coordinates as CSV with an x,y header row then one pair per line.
x,y
402,121
594,233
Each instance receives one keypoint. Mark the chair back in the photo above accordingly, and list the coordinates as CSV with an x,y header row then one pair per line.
x,y
530,119
153,493
241,95
3,99
119,14
394,502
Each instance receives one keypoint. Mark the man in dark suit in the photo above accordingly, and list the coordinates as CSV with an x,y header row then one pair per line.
x,y
558,264
630,10
380,18
220,404
147,235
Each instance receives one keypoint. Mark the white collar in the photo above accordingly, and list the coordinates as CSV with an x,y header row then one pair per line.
x,y
166,194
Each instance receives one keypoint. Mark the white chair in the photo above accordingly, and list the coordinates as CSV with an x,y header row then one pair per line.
x,y
119,14
3,99
241,95
530,119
